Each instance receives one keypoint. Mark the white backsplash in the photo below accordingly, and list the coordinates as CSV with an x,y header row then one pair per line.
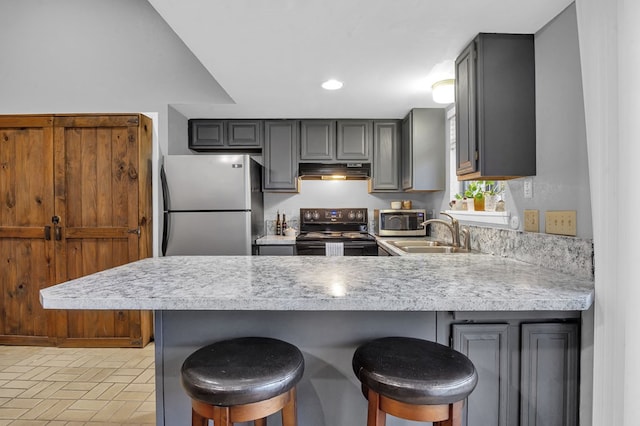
x,y
338,194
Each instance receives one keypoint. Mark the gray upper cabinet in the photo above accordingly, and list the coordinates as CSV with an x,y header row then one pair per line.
x,y
495,107
212,135
245,133
317,140
280,156
386,156
334,141
206,134
423,150
354,140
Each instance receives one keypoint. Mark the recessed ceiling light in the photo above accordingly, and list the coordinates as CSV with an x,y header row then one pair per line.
x,y
332,85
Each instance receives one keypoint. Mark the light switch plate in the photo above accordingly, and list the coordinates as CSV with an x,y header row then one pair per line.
x,y
561,222
531,221
528,188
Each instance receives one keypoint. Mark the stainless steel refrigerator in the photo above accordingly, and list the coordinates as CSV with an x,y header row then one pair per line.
x,y
213,204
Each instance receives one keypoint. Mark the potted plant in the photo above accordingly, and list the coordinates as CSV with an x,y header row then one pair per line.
x,y
475,193
492,191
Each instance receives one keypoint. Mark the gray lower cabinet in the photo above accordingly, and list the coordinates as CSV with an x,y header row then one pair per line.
x,y
280,156
385,171
549,375
528,366
354,140
276,250
487,345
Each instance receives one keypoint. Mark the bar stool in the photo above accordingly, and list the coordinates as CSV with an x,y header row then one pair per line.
x,y
413,379
241,380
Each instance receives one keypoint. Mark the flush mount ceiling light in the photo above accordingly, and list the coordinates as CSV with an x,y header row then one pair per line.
x,y
332,85
443,91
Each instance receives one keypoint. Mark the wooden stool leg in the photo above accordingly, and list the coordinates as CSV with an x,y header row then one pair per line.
x,y
290,411
375,416
197,419
260,422
455,415
221,416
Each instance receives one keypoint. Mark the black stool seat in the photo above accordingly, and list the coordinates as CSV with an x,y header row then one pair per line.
x,y
414,371
242,371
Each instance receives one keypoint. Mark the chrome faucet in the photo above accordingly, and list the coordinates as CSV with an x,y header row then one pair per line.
x,y
453,226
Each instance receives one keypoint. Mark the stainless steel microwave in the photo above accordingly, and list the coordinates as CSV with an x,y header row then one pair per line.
x,y
398,223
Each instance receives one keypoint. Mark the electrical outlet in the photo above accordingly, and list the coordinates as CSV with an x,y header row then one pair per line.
x,y
531,223
562,222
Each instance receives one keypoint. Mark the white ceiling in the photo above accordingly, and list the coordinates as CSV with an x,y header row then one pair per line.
x,y
271,55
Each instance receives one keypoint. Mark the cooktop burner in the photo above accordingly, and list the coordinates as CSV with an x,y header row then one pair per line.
x,y
343,224
334,236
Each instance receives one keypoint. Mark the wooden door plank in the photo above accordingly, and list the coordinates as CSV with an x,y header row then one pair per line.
x,y
35,232
26,176
96,232
102,120
132,191
101,206
8,177
60,209
25,121
145,177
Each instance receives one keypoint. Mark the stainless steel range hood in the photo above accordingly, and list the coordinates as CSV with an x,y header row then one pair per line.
x,y
334,171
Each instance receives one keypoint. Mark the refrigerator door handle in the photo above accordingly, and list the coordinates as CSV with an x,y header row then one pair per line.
x,y
165,189
166,226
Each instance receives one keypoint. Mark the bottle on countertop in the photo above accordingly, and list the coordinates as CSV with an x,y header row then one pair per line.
x,y
278,224
284,222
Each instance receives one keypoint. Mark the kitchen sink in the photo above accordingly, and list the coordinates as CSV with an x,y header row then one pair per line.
x,y
426,246
414,243
434,249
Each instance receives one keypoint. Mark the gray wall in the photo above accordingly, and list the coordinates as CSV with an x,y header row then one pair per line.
x,y
88,56
96,56
120,56
562,180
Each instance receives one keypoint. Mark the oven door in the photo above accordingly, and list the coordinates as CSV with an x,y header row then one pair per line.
x,y
351,248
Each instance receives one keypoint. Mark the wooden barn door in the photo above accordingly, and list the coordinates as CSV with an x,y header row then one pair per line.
x,y
26,245
97,180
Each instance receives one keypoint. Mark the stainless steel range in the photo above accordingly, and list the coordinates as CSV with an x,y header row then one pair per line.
x,y
346,226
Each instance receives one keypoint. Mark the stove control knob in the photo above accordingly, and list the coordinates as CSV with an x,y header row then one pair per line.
x,y
316,215
360,215
352,215
307,215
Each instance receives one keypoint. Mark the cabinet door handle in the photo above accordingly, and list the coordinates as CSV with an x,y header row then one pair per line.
x,y
57,232
47,233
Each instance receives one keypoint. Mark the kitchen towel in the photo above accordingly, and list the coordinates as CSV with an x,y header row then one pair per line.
x,y
334,249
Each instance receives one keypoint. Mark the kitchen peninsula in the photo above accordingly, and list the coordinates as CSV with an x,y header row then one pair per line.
x,y
324,305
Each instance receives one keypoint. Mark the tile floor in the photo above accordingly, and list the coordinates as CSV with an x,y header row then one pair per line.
x,y
69,386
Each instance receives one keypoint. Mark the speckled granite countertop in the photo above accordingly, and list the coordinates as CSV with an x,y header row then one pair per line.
x,y
436,282
279,240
